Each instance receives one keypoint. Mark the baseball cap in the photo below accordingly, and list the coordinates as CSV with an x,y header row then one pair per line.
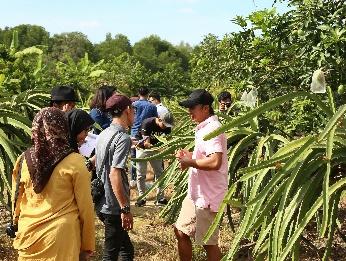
x,y
63,93
199,96
117,103
167,119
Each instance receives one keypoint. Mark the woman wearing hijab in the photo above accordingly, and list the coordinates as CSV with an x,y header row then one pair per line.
x,y
79,123
54,209
98,107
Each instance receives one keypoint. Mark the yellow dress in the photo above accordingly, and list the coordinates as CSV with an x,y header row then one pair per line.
x,y
57,223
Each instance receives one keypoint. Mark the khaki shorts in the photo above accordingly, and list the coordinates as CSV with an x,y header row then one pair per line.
x,y
195,222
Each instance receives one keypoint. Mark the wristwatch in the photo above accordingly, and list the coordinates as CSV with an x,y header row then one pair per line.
x,y
125,209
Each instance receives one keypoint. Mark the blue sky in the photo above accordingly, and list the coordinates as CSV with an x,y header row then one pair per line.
x,y
172,20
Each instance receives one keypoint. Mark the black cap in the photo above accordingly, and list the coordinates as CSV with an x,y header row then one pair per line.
x,y
63,93
199,96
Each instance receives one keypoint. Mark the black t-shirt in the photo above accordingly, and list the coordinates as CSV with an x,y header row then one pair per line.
x,y
150,128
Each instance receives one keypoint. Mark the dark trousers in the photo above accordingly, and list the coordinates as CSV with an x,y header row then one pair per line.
x,y
117,240
133,164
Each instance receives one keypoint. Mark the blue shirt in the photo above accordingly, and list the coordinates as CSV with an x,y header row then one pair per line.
x,y
143,110
101,118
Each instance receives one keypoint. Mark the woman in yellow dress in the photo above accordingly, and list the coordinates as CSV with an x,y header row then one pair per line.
x,y
54,209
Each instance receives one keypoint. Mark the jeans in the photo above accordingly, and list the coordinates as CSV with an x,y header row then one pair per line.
x,y
133,168
117,240
157,166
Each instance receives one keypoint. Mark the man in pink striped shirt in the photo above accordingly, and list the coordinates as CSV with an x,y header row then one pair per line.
x,y
208,179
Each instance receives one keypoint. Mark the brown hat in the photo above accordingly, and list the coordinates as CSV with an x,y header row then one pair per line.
x,y
117,103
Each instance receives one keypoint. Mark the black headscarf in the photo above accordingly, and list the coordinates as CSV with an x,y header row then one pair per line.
x,y
78,120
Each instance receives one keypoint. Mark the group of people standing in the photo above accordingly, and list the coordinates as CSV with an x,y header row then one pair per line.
x,y
52,199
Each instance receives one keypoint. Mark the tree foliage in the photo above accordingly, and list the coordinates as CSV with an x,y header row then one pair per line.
x,y
155,54
29,35
113,47
277,53
74,45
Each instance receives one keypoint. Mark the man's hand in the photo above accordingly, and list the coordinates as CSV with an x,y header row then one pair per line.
x,y
185,158
183,153
127,221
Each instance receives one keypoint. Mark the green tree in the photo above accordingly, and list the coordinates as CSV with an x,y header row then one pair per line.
x,y
277,53
126,73
155,53
171,81
74,44
113,47
28,35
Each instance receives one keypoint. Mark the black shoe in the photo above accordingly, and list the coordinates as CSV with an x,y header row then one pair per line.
x,y
161,202
140,203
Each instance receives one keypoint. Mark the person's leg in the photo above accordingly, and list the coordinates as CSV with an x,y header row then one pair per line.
x,y
157,168
141,172
113,237
184,228
213,252
204,219
133,168
184,245
126,251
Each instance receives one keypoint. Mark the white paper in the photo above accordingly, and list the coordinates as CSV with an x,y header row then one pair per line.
x,y
89,145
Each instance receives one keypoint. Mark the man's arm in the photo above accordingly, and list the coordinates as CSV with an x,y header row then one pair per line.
x,y
211,162
118,189
117,186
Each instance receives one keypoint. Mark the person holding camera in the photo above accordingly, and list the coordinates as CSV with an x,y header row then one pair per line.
x,y
52,195
225,101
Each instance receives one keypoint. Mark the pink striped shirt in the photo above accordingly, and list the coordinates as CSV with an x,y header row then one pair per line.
x,y
208,188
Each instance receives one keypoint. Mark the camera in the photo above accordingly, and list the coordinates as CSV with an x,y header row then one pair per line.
x,y
11,230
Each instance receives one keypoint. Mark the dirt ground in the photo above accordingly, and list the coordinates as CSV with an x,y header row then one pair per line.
x,y
154,240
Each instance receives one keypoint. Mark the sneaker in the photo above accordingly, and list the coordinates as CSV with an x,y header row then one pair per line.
x,y
133,184
161,202
140,203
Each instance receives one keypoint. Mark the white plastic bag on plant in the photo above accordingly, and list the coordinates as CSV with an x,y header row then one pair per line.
x,y
243,97
252,98
318,82
249,99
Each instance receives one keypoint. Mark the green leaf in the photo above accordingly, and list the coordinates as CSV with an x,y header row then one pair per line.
x,y
96,73
333,189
